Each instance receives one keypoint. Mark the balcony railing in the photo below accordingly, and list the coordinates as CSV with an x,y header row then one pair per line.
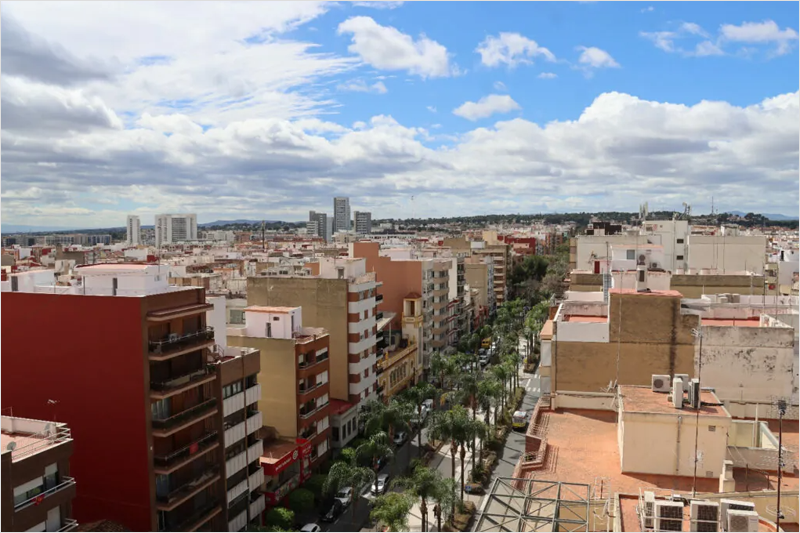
x,y
185,416
302,389
194,448
195,517
177,342
180,381
66,482
379,298
379,315
190,486
306,365
69,525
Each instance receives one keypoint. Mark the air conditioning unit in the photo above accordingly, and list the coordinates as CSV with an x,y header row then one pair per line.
x,y
660,383
649,508
685,379
742,520
677,393
173,337
704,516
653,265
695,390
732,505
669,516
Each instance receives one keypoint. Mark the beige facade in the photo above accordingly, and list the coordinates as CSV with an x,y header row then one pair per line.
x,y
476,275
689,285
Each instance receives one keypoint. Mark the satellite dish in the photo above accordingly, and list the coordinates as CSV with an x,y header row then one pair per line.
x,y
11,445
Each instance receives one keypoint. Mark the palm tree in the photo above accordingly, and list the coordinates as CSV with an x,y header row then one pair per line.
x,y
442,429
470,384
348,474
476,429
422,484
392,510
388,418
416,396
460,427
445,497
444,366
375,447
489,393
502,373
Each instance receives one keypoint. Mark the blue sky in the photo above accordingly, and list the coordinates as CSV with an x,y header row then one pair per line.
x,y
267,110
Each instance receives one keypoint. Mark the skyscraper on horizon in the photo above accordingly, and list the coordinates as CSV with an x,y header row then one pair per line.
x,y
362,222
341,214
175,228
318,225
134,235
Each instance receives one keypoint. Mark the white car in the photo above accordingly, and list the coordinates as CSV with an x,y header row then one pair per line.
x,y
428,405
311,528
344,495
380,485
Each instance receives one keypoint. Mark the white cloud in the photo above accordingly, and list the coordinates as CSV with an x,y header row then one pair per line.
x,y
385,4
361,86
662,39
648,9
596,58
386,48
175,123
547,76
694,29
486,106
499,86
707,48
760,32
431,108
511,49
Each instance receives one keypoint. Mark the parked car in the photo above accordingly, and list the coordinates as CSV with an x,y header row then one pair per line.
x,y
311,528
483,359
400,438
380,485
520,419
344,495
333,512
428,405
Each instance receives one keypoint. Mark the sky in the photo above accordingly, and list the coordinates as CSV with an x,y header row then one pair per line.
x,y
266,110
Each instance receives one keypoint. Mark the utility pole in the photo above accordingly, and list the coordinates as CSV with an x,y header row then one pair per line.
x,y
781,413
698,334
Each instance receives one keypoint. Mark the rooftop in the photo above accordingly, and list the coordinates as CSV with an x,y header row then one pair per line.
x,y
268,309
277,450
668,294
583,318
746,323
30,436
641,399
338,407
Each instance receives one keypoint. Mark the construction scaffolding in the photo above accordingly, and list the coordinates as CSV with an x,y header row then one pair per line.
x,y
539,505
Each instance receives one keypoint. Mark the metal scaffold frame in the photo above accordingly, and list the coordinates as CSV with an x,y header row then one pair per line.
x,y
539,505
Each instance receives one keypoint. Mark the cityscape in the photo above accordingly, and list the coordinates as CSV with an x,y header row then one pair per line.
x,y
228,307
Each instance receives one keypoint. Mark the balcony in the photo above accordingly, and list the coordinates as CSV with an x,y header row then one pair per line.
x,y
66,483
236,463
255,451
306,369
238,523
174,342
178,495
379,298
234,434
164,464
255,479
254,422
164,389
232,404
167,426
199,517
252,394
379,315
257,506
237,491
309,393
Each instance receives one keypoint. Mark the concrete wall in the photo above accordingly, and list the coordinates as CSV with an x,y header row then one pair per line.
x,y
217,318
278,381
746,363
689,285
324,303
739,253
664,444
595,401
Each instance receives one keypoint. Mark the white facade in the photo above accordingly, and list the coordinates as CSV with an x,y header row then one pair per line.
x,y
134,233
175,228
272,322
341,214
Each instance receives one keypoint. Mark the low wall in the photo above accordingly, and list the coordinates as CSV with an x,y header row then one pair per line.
x,y
594,401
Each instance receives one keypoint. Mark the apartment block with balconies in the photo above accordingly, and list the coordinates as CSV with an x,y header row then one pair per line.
x,y
37,490
294,380
151,345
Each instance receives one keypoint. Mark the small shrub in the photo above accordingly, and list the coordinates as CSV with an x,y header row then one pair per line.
x,y
280,517
301,500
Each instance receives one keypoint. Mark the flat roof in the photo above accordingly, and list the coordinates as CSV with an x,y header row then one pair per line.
x,y
747,323
338,407
117,266
277,450
586,318
642,399
669,294
268,309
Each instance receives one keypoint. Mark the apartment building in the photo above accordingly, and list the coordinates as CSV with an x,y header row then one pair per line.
x,y
133,235
362,222
341,214
37,489
340,296
403,276
399,351
171,229
295,383
500,255
318,225
134,357
443,308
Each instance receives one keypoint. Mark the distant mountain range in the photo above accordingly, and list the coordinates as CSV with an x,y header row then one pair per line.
x,y
770,216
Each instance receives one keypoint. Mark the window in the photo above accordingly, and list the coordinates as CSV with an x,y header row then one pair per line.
x,y
366,372
160,409
269,330
631,255
230,390
335,433
679,257
679,241
237,316
50,476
